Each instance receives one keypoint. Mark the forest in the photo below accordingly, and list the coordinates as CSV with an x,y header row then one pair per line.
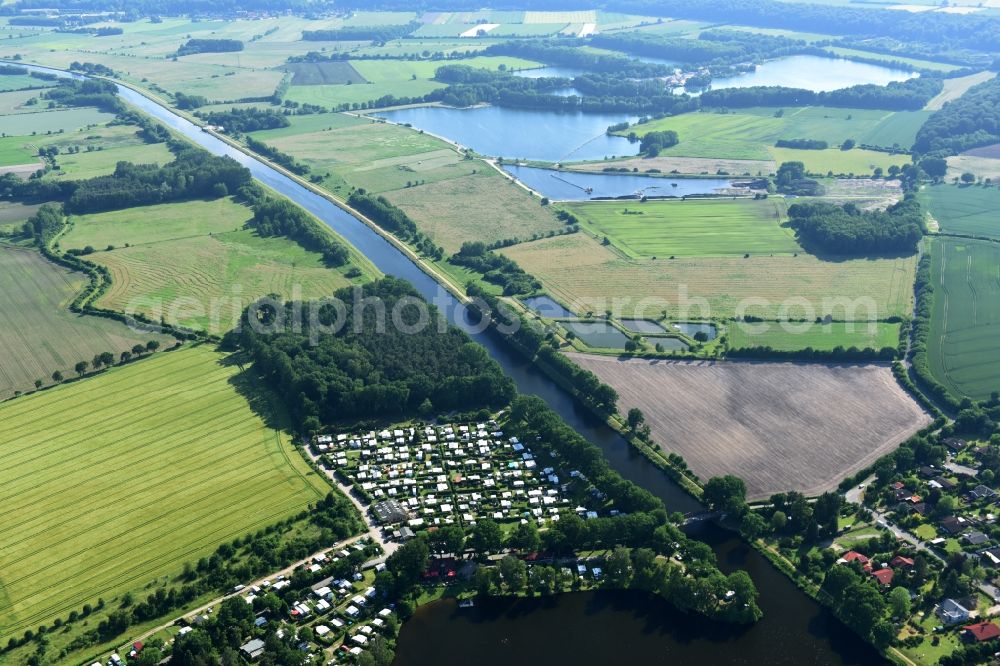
x,y
496,268
970,121
848,230
374,358
713,47
375,33
192,46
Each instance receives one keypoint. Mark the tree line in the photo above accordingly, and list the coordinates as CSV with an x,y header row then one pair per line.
x,y
495,268
375,33
909,95
848,230
281,217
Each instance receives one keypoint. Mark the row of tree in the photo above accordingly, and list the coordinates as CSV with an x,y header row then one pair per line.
x,y
910,95
250,119
215,45
495,268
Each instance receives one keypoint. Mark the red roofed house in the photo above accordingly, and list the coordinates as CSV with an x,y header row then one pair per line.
x,y
980,631
883,576
900,562
851,556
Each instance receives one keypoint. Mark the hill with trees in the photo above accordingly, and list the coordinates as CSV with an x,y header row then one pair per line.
x,y
970,121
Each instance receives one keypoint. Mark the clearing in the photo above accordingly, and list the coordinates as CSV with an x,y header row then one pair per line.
x,y
112,482
964,344
779,426
39,334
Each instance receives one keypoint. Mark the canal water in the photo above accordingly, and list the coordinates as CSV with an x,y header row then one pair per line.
x,y
793,624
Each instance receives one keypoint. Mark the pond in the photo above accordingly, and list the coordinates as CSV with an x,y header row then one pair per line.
x,y
522,133
668,343
597,333
643,326
813,73
690,328
547,307
573,185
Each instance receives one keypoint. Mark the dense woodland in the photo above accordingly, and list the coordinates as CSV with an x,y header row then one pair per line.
x,y
371,359
970,121
713,47
848,230
495,268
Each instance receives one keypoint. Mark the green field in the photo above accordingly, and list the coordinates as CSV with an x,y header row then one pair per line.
x,y
970,210
750,134
14,215
795,336
323,73
585,276
38,333
77,166
855,161
21,82
47,122
964,344
193,264
115,481
154,224
692,228
13,151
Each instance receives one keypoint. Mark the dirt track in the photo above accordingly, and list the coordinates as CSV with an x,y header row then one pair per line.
x,y
780,426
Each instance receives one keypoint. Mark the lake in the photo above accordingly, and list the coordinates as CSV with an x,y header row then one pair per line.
x,y
573,185
643,326
550,136
622,627
813,73
549,72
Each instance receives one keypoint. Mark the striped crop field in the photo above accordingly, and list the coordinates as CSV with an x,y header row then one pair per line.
x,y
114,481
39,335
964,346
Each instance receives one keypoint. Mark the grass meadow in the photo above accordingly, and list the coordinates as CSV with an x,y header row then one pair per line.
x,y
964,345
38,333
113,482
691,228
963,209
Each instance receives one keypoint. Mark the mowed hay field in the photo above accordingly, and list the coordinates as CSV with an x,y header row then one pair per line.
x,y
114,481
779,426
194,264
970,210
587,276
964,344
482,207
696,227
38,333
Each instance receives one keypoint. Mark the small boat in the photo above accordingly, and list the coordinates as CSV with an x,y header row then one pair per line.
x,y
466,603
673,184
